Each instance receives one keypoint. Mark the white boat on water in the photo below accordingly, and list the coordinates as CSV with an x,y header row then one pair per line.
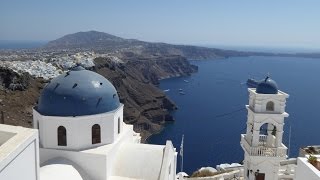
x,y
186,81
166,90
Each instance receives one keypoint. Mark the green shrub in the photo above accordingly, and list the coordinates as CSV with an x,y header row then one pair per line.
x,y
312,159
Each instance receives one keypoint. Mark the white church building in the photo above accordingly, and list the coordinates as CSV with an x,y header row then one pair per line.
x,y
81,136
265,156
262,142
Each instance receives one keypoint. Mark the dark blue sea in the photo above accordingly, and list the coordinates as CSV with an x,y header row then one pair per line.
x,y
211,114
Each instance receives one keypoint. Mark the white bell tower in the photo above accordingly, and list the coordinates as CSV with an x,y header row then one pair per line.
x,y
262,143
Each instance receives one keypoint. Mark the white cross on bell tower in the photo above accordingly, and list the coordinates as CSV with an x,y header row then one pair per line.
x,y
262,143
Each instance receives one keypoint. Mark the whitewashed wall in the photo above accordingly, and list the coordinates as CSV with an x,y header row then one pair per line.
x,y
305,170
79,132
24,164
93,164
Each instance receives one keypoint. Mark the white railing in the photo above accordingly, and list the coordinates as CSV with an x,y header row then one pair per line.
x,y
267,151
263,150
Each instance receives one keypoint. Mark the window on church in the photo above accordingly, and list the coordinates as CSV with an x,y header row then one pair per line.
x,y
119,124
270,106
96,134
62,136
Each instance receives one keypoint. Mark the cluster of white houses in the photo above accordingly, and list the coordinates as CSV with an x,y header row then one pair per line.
x,y
79,134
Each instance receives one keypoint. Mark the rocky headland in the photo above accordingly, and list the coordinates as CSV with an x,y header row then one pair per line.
x,y
135,78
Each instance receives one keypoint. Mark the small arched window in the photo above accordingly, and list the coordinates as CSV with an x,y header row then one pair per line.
x,y
270,106
119,125
62,136
96,134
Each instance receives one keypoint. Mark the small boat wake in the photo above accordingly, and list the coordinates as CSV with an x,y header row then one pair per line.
x,y
181,92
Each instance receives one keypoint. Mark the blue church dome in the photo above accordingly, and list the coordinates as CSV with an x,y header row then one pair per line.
x,y
78,92
267,86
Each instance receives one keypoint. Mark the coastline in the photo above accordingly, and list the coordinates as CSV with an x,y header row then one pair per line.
x,y
163,126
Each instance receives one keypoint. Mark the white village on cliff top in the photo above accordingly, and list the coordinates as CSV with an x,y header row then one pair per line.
x,y
79,134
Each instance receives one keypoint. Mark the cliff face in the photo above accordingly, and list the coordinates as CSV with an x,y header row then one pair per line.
x,y
18,94
146,106
13,81
154,68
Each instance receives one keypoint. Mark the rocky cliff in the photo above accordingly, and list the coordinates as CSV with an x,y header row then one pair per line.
x,y
16,103
146,106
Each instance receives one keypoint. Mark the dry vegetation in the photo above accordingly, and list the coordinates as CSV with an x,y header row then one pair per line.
x,y
207,173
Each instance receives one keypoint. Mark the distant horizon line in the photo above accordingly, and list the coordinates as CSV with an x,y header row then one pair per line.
x,y
244,47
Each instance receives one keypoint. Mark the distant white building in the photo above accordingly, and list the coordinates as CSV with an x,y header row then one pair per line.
x,y
82,136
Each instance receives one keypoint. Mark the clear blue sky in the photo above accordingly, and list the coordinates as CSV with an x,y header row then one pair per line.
x,y
224,22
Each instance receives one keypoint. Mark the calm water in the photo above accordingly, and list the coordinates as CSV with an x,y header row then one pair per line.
x,y
211,114
21,44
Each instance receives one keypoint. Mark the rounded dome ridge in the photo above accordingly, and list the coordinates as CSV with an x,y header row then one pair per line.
x,y
267,86
78,92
